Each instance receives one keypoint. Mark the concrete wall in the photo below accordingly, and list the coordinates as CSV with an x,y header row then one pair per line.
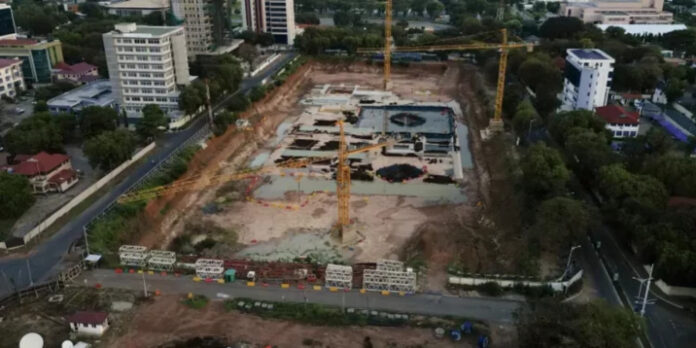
x,y
556,286
683,110
83,195
675,290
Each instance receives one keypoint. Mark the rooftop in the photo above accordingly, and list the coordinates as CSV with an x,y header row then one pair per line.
x,y
140,4
4,63
616,114
17,42
589,54
93,93
41,163
132,29
79,68
85,317
642,29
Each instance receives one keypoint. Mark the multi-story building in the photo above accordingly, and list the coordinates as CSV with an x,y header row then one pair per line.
x,y
276,17
38,58
618,11
8,30
147,64
621,123
197,17
137,7
587,79
76,73
11,79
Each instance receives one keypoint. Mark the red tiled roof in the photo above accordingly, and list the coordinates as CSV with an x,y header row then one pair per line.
x,y
41,163
79,68
62,176
617,114
676,201
17,42
93,318
7,62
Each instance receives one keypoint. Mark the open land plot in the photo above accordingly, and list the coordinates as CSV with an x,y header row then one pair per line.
x,y
447,211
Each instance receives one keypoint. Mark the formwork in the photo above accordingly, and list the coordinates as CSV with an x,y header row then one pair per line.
x,y
338,276
159,263
390,276
209,268
133,255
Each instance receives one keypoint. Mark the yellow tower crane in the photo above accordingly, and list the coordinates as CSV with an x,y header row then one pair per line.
x,y
203,181
503,47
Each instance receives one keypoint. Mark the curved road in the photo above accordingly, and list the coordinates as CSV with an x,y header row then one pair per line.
x,y
14,271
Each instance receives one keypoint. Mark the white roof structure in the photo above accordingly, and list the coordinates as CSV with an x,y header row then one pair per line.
x,y
645,29
140,4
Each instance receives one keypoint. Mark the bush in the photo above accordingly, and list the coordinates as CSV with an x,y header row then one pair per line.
x,y
196,301
257,93
491,289
239,103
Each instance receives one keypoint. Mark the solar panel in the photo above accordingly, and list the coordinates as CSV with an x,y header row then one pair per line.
x,y
588,54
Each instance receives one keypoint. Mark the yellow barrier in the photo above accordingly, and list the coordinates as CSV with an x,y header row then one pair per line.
x,y
140,271
385,292
317,288
221,281
197,279
362,291
150,272
401,293
285,286
333,289
251,284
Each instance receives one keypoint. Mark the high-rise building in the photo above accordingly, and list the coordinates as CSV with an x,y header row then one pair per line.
x,y
618,11
38,57
205,22
276,17
147,64
587,79
8,30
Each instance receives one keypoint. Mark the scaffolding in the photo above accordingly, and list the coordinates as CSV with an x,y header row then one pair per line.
x,y
390,265
209,268
133,255
389,276
163,253
338,276
159,263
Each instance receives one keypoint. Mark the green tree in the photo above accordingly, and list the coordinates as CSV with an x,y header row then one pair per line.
x,y
153,123
620,186
223,121
551,323
257,93
109,149
68,125
96,119
524,118
539,72
39,132
41,106
239,103
561,28
675,89
553,6
565,123
544,172
559,222
248,53
678,174
434,8
192,97
588,151
15,195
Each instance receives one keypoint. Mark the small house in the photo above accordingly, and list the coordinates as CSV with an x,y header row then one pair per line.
x,y
89,323
621,122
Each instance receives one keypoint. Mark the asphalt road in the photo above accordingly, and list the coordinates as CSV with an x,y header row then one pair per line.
x,y
493,310
43,259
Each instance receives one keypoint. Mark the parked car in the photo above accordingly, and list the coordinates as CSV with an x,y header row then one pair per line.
x,y
19,111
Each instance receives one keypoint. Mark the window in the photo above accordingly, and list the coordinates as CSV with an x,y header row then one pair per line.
x,y
139,41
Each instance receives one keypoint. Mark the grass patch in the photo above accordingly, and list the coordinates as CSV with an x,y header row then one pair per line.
x,y
196,301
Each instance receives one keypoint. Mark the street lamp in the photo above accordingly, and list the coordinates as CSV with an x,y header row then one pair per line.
x,y
570,256
529,132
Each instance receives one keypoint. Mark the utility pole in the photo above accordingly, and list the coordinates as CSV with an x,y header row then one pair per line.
x,y
144,284
31,280
210,108
647,291
84,235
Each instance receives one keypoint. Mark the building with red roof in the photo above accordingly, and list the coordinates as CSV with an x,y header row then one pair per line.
x,y
77,73
621,122
46,172
88,323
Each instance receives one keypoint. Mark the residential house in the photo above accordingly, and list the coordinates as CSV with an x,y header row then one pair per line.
x,y
46,172
89,323
621,122
77,73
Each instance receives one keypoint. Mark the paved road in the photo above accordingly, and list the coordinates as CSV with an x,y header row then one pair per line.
x,y
49,253
494,310
667,326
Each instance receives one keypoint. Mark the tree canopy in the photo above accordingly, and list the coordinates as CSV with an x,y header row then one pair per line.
x,y
109,149
560,222
153,123
15,195
96,119
561,27
544,172
39,132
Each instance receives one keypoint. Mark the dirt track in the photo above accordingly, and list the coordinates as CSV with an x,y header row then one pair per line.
x,y
167,320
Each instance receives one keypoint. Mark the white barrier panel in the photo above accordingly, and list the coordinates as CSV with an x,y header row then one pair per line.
x,y
556,286
43,225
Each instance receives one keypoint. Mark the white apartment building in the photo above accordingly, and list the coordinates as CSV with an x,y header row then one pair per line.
x,y
146,65
11,78
197,19
276,17
587,79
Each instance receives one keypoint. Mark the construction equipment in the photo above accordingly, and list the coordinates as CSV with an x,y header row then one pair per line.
x,y
503,46
202,181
